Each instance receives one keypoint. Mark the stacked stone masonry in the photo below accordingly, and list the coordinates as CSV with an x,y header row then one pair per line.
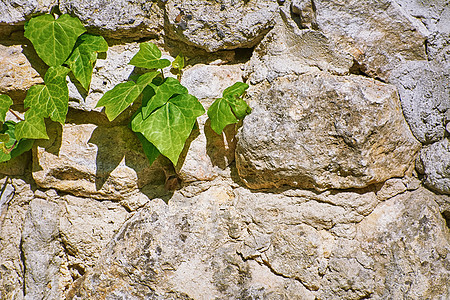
x,y
336,186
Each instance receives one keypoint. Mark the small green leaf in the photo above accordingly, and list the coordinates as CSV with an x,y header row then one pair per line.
x,y
162,93
149,56
83,57
122,95
228,109
53,39
5,103
52,99
12,148
178,63
33,127
150,150
168,127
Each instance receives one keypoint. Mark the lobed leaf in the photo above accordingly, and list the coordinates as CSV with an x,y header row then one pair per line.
x,y
168,127
52,99
53,39
83,57
178,63
149,56
228,109
122,95
5,103
33,127
161,94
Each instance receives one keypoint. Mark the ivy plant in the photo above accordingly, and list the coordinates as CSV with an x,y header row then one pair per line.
x,y
164,120
63,44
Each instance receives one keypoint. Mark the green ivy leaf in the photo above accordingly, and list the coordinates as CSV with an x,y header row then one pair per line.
x,y
168,127
53,39
52,99
161,94
12,148
230,108
178,63
83,57
122,95
5,103
32,128
149,56
150,150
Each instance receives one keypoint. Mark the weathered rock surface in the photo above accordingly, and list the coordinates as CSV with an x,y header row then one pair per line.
x,y
377,33
234,244
289,50
407,247
94,161
18,11
118,19
15,197
434,163
42,250
424,89
435,15
17,73
219,24
323,131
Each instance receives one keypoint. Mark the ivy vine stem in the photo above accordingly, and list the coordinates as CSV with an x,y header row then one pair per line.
x,y
15,115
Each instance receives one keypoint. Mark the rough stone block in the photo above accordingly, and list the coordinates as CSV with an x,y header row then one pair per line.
x,y
324,132
220,24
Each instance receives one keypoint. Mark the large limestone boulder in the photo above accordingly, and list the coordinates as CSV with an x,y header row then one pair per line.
x,y
216,25
17,12
118,19
323,131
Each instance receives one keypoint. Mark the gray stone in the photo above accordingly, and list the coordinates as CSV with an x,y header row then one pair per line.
x,y
15,12
288,50
95,161
42,251
434,162
323,131
118,19
424,90
15,197
219,25
377,33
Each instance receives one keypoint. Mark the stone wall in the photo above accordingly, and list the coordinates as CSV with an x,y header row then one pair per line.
x,y
336,186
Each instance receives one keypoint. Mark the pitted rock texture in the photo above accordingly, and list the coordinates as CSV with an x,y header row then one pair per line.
x,y
434,163
118,19
14,12
16,195
323,131
216,25
235,243
289,50
424,89
377,33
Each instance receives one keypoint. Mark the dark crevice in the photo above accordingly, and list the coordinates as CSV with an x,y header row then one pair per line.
x,y
242,55
446,216
24,266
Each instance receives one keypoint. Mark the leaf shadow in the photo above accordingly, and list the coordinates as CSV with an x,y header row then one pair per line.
x,y
118,147
220,147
